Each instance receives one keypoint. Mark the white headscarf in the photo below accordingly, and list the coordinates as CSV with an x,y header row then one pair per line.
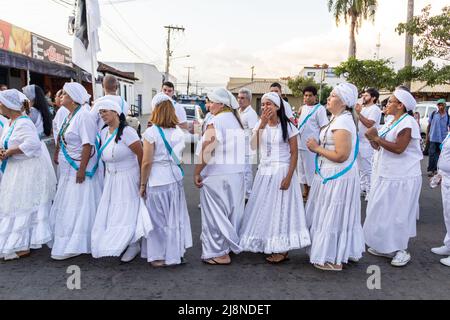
x,y
225,97
30,92
274,97
12,99
406,98
160,98
77,92
348,93
107,104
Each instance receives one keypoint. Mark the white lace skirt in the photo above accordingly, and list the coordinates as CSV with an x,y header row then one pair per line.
x,y
333,214
73,212
391,213
122,217
26,192
172,233
274,220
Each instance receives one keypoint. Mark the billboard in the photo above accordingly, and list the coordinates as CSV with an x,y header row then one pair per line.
x,y
49,51
15,39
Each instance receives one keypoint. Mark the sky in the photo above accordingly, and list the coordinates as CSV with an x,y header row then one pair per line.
x,y
224,38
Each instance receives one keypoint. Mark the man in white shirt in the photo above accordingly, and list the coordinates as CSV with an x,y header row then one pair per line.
x,y
110,88
369,115
169,90
313,116
276,87
249,118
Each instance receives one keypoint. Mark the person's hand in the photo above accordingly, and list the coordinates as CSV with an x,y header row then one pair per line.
x,y
265,116
81,176
198,181
312,145
143,190
286,183
358,109
371,134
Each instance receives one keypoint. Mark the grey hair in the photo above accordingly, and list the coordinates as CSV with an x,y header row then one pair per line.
x,y
247,92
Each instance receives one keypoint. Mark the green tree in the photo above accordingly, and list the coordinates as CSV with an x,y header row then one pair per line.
x,y
356,11
324,94
433,33
366,74
298,84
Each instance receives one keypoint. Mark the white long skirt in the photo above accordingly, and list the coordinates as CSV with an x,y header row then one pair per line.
x,y
391,213
222,203
26,192
445,189
365,166
122,217
248,176
274,220
171,234
306,167
73,212
333,214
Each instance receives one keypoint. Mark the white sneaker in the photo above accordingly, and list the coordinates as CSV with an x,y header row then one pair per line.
x,y
446,262
131,253
442,251
401,259
379,254
66,257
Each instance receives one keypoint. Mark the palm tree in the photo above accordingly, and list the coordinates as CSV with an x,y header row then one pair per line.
x,y
356,11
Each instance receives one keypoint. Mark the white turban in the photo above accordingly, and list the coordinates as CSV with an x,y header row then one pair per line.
x,y
108,104
160,98
77,92
274,97
12,99
30,92
406,98
348,93
225,97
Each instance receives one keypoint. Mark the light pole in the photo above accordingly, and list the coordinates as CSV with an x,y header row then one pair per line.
x,y
322,77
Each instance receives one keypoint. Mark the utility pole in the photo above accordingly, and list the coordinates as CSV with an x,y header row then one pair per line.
x,y
168,51
253,72
196,88
409,41
189,78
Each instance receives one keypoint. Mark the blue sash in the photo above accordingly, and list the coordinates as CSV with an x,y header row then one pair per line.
x,y
2,124
122,106
5,144
384,133
341,173
170,150
309,115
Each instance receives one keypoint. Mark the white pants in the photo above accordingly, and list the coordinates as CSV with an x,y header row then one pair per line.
x,y
306,167
445,189
365,158
248,176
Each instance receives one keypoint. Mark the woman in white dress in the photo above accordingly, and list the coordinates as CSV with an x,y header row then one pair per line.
x,y
39,110
220,177
333,210
4,124
274,219
79,190
122,218
162,187
391,220
28,185
444,171
61,114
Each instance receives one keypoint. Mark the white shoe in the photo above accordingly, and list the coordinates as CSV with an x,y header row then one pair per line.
x,y
379,254
446,262
11,256
401,259
199,205
66,257
131,253
442,251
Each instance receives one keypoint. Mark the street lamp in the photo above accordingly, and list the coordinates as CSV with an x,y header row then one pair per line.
x,y
181,57
322,68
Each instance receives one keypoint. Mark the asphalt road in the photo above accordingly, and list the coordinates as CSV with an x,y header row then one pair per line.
x,y
248,277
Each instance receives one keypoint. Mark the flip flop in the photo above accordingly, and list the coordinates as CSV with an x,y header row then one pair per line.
x,y
213,262
283,259
327,267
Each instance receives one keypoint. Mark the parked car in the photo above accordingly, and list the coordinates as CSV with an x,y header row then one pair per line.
x,y
195,120
425,109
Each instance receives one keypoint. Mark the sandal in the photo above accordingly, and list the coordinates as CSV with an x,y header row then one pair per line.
x,y
329,267
271,258
214,262
158,264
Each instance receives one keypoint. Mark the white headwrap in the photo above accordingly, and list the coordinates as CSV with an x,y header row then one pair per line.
x,y
30,92
160,98
406,98
108,104
225,97
274,97
348,93
12,99
77,92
